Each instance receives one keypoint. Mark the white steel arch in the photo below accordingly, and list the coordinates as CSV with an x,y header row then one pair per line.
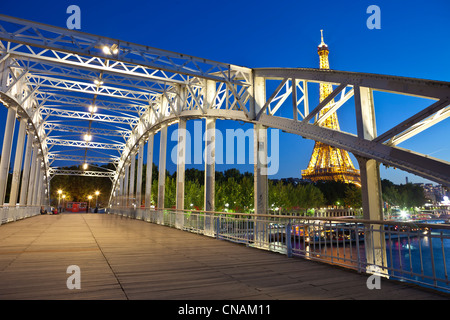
x,y
143,90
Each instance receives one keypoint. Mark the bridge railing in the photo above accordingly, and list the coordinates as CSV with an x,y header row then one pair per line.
x,y
9,214
409,251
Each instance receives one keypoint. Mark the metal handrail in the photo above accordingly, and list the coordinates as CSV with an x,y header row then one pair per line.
x,y
411,223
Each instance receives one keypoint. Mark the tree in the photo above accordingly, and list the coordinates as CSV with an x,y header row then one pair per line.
x,y
170,194
193,194
404,195
310,196
333,191
290,196
78,188
246,198
353,196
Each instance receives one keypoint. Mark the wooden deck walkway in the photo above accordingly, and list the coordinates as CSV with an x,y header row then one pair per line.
x,y
121,258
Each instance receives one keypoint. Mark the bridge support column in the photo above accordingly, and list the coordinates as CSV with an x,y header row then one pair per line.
x,y
125,186
119,200
261,182
375,243
139,176
32,175
149,172
6,152
26,171
37,182
132,196
181,166
162,173
18,163
210,168
261,169
210,157
43,188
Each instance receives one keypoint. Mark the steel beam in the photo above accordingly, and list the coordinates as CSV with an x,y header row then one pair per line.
x,y
139,175
31,182
26,171
210,158
386,83
415,163
83,130
89,88
61,39
84,144
74,158
83,173
88,116
131,194
6,152
37,182
414,120
181,166
260,149
370,181
162,167
324,102
210,148
53,98
13,195
126,181
148,178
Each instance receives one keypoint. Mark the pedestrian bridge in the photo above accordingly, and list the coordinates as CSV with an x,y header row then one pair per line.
x,y
123,258
124,94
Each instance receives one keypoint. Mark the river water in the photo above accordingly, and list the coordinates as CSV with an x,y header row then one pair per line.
x,y
418,258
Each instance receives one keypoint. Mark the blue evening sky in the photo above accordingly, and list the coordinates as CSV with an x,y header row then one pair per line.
x,y
413,41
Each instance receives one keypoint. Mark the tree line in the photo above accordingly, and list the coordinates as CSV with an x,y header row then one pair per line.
x,y
234,191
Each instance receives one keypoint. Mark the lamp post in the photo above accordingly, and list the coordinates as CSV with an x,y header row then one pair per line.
x,y
89,203
96,198
64,197
59,200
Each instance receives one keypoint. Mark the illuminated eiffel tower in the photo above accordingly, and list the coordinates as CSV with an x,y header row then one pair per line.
x,y
327,162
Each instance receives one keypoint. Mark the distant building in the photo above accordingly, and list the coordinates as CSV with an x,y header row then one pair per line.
x,y
435,193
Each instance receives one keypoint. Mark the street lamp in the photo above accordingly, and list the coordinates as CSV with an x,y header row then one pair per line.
x,y
89,203
64,197
96,198
59,199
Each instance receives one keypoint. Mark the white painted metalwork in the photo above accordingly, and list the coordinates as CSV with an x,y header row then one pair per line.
x,y
51,76
84,173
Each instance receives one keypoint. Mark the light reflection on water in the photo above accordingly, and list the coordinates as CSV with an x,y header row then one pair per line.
x,y
407,257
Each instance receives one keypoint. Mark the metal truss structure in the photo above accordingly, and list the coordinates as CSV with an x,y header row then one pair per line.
x,y
52,76
85,173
